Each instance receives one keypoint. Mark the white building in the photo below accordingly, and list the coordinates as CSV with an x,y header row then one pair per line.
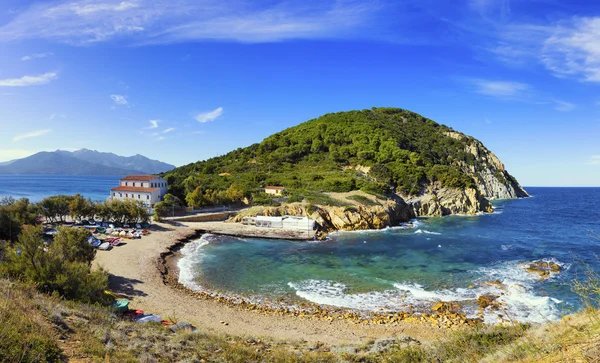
x,y
148,189
274,189
285,222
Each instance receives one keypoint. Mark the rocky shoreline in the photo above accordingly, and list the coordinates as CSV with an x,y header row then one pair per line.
x,y
442,315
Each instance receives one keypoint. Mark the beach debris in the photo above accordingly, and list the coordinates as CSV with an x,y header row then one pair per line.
x,y
148,318
120,306
181,326
543,268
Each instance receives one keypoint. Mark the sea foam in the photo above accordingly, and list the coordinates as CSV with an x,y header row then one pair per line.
x,y
191,255
515,294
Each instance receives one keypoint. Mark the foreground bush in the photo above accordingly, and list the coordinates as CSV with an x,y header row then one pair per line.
x,y
62,267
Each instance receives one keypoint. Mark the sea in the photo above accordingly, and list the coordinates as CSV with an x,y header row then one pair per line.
x,y
403,268
38,187
411,267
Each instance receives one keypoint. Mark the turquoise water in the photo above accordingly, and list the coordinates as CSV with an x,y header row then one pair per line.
x,y
440,259
38,187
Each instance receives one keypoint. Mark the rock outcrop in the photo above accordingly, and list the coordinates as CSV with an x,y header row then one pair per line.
x,y
437,201
492,179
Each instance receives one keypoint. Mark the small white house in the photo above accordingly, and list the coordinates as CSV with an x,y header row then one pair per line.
x,y
148,189
275,190
285,222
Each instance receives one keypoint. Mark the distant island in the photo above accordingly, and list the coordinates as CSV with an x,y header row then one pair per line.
x,y
355,170
83,162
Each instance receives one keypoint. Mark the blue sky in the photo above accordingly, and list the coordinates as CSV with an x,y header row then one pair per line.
x,y
185,80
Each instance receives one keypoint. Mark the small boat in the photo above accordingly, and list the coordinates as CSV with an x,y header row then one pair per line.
x,y
104,246
145,232
148,318
120,306
138,226
92,222
96,243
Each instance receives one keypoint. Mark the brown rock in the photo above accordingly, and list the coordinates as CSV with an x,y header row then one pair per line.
x,y
542,268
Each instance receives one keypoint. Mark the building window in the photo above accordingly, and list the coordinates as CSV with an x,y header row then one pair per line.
x,y
139,197
147,197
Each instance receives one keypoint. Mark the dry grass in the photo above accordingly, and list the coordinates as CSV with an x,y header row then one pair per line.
x,y
38,328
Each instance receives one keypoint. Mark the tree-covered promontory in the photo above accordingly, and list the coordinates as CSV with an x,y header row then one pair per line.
x,y
379,151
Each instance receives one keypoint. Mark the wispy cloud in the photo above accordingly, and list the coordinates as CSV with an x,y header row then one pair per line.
x,y
499,88
594,160
52,116
563,106
84,21
168,130
119,100
29,80
209,116
36,56
574,49
30,135
153,124
567,48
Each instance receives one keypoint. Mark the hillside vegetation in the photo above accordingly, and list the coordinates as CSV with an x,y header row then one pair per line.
x,y
380,151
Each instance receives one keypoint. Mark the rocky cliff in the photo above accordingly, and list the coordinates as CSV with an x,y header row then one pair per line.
x,y
488,172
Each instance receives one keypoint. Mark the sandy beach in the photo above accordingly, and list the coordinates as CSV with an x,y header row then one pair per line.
x,y
134,275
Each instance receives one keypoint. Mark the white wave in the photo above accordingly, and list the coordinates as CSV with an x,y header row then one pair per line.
x,y
421,231
515,293
191,256
507,247
335,294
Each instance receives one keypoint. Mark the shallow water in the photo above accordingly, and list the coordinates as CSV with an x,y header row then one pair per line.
x,y
448,259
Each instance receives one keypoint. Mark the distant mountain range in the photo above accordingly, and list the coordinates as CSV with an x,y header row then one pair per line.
x,y
83,162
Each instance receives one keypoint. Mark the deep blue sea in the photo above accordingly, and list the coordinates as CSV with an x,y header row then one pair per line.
x,y
38,187
439,259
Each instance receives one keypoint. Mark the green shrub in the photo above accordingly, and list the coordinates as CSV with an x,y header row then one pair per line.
x,y
62,268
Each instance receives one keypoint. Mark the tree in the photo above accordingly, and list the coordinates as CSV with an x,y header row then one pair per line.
x,y
160,211
172,201
80,207
234,194
63,267
71,244
195,198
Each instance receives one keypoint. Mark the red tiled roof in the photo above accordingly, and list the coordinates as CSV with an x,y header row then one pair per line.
x,y
274,187
134,189
140,177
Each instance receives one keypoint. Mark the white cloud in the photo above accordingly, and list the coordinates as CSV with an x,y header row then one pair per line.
x,y
169,130
153,124
51,117
594,160
574,49
500,88
563,106
209,116
166,21
119,100
567,48
35,56
31,135
29,80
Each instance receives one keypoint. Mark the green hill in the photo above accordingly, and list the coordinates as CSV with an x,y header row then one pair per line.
x,y
382,151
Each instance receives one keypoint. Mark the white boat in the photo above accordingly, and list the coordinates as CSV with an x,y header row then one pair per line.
x,y
104,246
